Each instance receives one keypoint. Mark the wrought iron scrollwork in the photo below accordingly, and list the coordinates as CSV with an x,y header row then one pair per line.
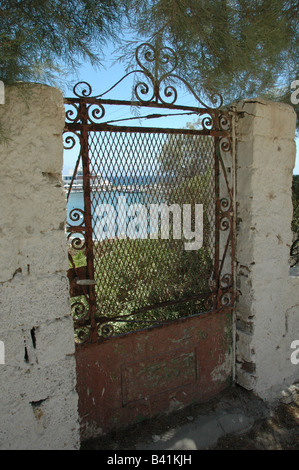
x,y
95,113
227,295
226,280
77,242
106,330
162,90
158,66
221,297
225,214
226,299
83,335
72,113
207,121
79,311
225,144
77,215
224,122
70,139
160,58
82,90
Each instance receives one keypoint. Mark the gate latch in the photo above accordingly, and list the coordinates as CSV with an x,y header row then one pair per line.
x,y
78,279
85,282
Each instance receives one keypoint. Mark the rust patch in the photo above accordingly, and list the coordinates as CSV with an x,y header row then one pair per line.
x,y
158,374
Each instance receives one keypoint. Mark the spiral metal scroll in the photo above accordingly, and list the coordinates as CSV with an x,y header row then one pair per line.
x,y
224,122
83,335
227,280
72,113
95,113
80,314
225,214
78,243
106,330
207,121
226,299
226,295
225,144
82,90
71,139
79,311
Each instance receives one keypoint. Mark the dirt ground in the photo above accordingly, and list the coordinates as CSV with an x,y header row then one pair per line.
x,y
277,432
274,428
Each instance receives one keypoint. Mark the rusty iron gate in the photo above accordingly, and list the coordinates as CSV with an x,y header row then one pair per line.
x,y
151,248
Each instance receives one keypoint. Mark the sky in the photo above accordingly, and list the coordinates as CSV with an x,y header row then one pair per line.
x,y
101,79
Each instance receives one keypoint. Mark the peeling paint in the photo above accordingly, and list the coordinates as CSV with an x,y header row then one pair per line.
x,y
222,371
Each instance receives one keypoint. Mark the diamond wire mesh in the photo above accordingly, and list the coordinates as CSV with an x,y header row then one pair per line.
x,y
141,274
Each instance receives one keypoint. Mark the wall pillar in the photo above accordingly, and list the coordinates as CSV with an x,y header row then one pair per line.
x,y
268,304
38,403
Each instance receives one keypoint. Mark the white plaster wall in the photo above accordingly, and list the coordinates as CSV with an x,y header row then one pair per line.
x,y
268,304
38,402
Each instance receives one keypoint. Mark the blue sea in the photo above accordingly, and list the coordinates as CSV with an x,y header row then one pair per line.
x,y
140,195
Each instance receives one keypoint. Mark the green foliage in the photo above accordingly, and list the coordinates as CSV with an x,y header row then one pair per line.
x,y
39,39
145,272
238,48
79,258
185,156
133,274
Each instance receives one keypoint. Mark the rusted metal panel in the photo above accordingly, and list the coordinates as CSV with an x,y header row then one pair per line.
x,y
156,374
137,376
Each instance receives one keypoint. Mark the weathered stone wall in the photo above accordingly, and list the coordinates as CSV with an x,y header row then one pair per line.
x,y
38,402
268,305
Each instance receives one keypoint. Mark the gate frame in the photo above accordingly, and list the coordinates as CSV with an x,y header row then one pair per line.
x,y
85,115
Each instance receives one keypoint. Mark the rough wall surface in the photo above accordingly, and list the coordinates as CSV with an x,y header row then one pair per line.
x,y
38,403
268,305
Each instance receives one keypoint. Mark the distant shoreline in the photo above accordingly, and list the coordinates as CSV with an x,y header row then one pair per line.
x,y
121,188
